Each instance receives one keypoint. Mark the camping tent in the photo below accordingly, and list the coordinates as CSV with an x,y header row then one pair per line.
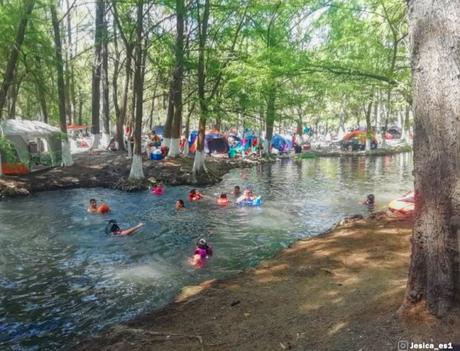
x,y
32,145
281,143
215,142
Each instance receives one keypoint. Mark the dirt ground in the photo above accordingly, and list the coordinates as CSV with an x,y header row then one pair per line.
x,y
107,168
338,291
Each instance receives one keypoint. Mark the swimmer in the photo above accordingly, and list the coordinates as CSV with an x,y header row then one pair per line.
x,y
248,195
202,252
194,195
92,206
236,190
180,205
370,201
222,199
158,189
113,228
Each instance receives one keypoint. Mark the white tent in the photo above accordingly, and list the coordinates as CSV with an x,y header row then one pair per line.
x,y
37,144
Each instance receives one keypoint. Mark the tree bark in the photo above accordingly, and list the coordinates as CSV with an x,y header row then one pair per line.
x,y
105,85
136,166
270,120
59,68
434,269
176,126
96,75
116,72
199,161
14,54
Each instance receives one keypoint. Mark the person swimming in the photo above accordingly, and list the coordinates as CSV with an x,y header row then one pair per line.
x,y
92,206
180,204
222,199
112,227
202,252
236,190
103,208
194,195
370,201
158,189
248,195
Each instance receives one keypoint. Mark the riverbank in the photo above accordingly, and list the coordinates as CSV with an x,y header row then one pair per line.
x,y
109,169
336,291
334,152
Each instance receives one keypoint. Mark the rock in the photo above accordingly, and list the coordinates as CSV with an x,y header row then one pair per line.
x,y
235,302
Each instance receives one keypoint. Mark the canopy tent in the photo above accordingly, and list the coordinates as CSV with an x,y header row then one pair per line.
x,y
281,143
34,145
215,142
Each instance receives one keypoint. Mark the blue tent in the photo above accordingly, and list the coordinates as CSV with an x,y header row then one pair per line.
x,y
281,143
159,130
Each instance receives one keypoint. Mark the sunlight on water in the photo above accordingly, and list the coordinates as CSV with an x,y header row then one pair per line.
x,y
62,276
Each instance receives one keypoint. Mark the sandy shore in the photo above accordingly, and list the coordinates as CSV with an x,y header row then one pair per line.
x,y
108,169
337,291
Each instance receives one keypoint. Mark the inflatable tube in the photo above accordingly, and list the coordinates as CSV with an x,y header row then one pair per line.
x,y
195,198
222,202
158,191
404,206
256,202
103,209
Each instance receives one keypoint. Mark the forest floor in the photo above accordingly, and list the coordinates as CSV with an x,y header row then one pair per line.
x,y
337,291
107,169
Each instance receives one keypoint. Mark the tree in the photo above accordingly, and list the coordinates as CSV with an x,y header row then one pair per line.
x,y
433,275
136,166
14,53
96,73
176,125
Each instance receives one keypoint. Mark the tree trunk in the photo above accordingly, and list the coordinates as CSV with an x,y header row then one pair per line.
x,y
70,86
270,120
14,54
66,155
434,269
199,161
169,116
96,76
369,133
59,69
176,126
116,72
105,87
136,166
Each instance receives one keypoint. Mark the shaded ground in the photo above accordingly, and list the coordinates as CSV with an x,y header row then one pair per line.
x,y
338,291
107,169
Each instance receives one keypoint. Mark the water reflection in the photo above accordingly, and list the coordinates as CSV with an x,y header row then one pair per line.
x,y
61,276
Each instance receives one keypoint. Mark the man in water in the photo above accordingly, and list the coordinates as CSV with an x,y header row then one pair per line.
x,y
92,206
236,190
113,228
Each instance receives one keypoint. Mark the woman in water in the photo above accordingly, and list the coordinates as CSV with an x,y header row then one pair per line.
x,y
202,252
194,195
113,228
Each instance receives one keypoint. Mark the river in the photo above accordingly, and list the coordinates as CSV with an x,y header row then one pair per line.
x,y
62,277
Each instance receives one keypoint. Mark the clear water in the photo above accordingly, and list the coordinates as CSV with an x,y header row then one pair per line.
x,y
61,276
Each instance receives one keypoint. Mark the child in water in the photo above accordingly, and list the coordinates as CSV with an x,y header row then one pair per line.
x,y
180,205
113,228
103,208
222,200
202,252
370,201
236,190
92,206
248,195
158,189
194,195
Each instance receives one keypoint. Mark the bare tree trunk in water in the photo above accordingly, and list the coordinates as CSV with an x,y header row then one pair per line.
x,y
434,269
136,167
176,126
14,53
96,76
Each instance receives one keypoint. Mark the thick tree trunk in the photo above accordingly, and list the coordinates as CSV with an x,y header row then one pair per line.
x,y
116,72
434,268
169,116
105,87
136,166
96,76
270,120
70,86
59,69
369,126
176,126
14,54
199,161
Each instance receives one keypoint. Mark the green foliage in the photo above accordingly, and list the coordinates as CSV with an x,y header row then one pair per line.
x,y
7,150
